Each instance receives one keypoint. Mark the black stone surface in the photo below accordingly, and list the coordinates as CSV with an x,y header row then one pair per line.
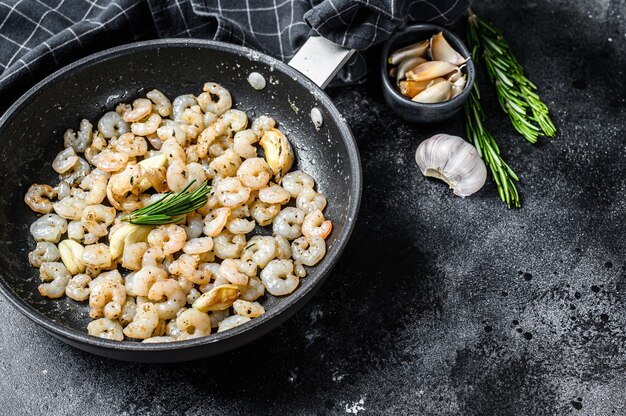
x,y
440,305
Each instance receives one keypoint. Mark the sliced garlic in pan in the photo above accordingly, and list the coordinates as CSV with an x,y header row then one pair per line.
x,y
454,161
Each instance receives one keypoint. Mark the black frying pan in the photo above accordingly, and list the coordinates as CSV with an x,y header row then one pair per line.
x,y
31,135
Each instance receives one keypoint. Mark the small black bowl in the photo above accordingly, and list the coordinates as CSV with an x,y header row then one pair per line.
x,y
413,111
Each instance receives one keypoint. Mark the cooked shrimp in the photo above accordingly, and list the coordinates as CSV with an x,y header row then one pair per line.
x,y
193,324
77,172
173,151
296,181
111,124
198,245
144,322
274,194
139,283
316,225
262,124
254,173
180,175
288,222
38,198
232,322
141,108
308,200
133,255
106,328
111,161
181,103
308,250
278,277
78,287
147,126
264,213
130,144
230,192
97,219
161,102
55,277
172,131
70,207
174,294
170,238
96,184
206,102
48,228
97,255
215,221
81,141
228,246
43,252
65,160
261,250
243,143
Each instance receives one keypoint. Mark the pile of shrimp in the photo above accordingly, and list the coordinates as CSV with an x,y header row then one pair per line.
x,y
207,272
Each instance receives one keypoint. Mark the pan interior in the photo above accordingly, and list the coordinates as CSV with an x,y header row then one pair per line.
x,y
32,135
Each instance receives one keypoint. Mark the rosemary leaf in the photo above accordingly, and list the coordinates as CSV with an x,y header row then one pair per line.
x,y
171,207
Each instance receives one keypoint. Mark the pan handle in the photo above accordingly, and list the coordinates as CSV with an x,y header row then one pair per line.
x,y
320,60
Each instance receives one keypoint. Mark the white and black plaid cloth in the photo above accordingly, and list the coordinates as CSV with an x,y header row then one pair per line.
x,y
39,36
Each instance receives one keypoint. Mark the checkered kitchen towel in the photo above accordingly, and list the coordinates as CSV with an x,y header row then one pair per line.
x,y
38,37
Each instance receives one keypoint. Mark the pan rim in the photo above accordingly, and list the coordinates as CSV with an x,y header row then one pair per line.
x,y
291,304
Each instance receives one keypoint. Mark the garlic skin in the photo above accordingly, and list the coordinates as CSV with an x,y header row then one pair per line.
x,y
454,161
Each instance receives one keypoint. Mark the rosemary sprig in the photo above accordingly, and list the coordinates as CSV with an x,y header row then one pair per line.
x,y
171,207
488,149
517,94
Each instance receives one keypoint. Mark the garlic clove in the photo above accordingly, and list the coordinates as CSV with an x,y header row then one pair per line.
x,y
407,65
430,70
154,163
71,253
125,235
412,88
278,152
453,160
436,93
440,50
416,49
458,86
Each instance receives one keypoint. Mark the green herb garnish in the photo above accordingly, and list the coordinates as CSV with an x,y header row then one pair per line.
x,y
516,93
171,208
488,149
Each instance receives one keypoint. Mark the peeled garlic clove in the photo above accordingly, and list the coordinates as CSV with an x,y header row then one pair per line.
x,y
436,93
454,161
278,152
71,253
412,88
154,163
430,70
458,86
440,50
217,299
408,64
416,49
125,235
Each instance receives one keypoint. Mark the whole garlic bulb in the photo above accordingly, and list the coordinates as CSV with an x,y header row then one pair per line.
x,y
454,161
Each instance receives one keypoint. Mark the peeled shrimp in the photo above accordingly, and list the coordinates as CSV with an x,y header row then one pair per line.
x,y
38,198
55,277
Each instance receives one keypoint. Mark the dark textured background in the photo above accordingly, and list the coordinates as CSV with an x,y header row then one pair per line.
x,y
440,305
